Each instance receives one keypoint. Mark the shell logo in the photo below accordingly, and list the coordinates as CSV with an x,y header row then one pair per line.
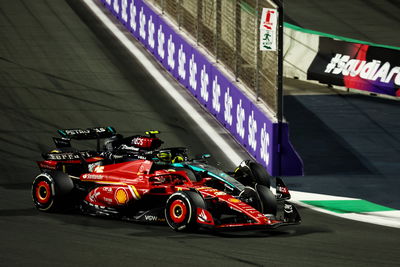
x,y
234,200
121,196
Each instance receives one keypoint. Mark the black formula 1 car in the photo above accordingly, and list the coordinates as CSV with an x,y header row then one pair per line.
x,y
110,148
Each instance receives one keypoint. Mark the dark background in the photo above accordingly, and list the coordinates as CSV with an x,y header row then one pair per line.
x,y
61,69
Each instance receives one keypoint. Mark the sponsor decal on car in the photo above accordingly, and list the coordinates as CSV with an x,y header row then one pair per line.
x,y
47,166
150,218
121,196
92,177
233,200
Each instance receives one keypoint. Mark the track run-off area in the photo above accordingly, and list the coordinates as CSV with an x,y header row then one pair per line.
x,y
62,68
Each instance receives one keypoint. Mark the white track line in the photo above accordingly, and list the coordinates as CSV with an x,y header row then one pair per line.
x,y
165,84
385,218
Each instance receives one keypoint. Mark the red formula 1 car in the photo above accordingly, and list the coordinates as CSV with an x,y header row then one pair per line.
x,y
187,195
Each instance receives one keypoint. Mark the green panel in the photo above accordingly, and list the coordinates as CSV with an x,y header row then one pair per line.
x,y
347,206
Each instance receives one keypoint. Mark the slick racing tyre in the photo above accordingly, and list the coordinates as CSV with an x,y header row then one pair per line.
x,y
180,210
250,173
260,174
50,191
268,199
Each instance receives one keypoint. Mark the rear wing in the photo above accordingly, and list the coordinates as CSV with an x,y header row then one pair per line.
x,y
83,134
66,156
89,133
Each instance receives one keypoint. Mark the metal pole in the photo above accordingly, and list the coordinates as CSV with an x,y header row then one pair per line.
x,y
238,34
217,28
279,113
257,48
199,15
179,2
280,62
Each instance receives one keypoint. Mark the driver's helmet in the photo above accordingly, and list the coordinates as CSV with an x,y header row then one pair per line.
x,y
178,158
164,156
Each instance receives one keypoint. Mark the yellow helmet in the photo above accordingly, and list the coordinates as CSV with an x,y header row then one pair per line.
x,y
178,159
164,156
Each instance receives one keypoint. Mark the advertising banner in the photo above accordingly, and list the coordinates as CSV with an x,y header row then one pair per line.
x,y
357,66
268,29
219,95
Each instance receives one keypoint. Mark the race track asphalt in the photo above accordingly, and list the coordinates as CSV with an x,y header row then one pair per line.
x,y
60,69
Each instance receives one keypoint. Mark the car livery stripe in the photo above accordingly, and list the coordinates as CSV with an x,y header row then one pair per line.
x,y
105,182
134,192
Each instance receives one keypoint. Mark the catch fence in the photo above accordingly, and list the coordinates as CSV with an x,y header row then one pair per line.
x,y
229,30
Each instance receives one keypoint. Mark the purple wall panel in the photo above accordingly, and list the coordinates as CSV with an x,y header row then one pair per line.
x,y
251,127
161,43
115,7
133,8
183,56
148,21
170,49
194,65
204,81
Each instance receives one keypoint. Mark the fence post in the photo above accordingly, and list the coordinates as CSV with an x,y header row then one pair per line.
x,y
279,114
217,28
238,35
179,3
199,18
257,52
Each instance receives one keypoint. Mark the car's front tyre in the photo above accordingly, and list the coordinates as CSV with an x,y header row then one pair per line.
x,y
181,210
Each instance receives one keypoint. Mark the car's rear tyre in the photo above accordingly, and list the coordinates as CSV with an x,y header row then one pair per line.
x,y
50,191
268,199
181,210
